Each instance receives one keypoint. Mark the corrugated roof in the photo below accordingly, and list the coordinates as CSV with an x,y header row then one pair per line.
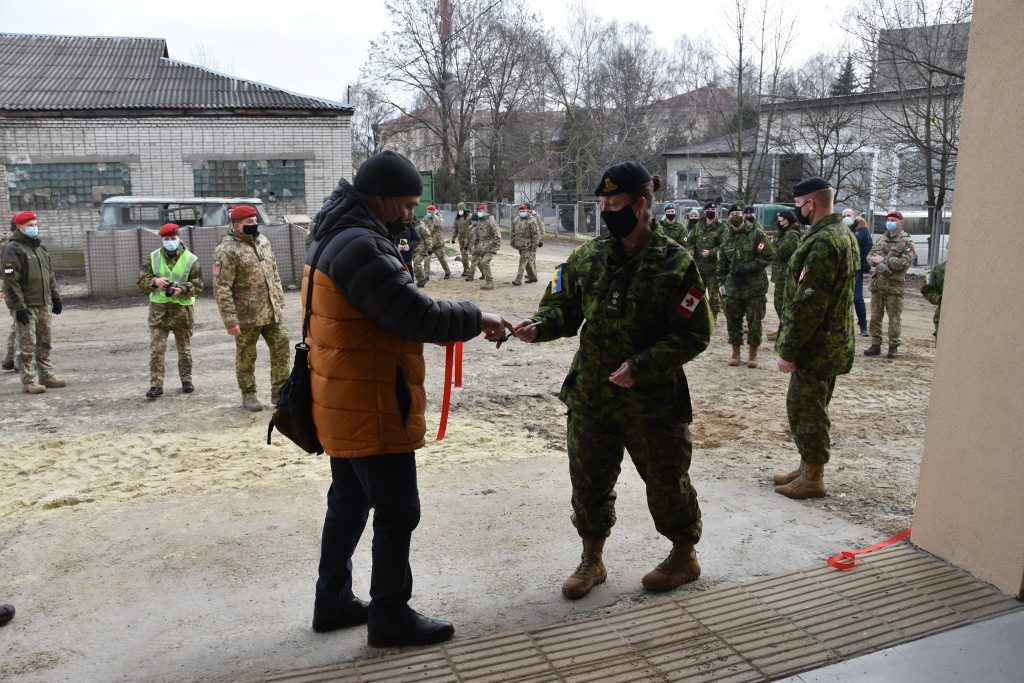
x,y
67,73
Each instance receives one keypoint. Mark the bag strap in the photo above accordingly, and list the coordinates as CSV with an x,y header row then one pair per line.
x,y
312,272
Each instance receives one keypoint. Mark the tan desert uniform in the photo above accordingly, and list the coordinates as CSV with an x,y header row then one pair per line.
x,y
888,283
249,294
526,237
485,244
171,314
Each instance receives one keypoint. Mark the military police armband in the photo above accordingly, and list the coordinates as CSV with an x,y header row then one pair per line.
x,y
216,268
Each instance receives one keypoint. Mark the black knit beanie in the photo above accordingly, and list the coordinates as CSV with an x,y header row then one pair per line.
x,y
388,174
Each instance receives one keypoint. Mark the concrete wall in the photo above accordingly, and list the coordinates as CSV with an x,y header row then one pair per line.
x,y
162,151
970,507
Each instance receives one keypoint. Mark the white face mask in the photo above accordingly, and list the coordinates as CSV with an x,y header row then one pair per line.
x,y
171,245
479,214
891,225
522,214
848,220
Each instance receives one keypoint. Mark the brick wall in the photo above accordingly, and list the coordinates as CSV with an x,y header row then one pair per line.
x,y
162,152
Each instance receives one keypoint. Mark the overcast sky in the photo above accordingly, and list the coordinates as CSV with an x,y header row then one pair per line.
x,y
316,47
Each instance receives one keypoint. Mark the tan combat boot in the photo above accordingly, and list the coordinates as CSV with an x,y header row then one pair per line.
x,y
589,573
52,382
772,336
33,388
752,357
488,285
780,479
735,360
679,567
251,403
810,483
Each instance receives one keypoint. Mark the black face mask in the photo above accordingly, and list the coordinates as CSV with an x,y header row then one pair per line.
x,y
710,215
804,220
620,223
693,221
251,230
670,219
399,225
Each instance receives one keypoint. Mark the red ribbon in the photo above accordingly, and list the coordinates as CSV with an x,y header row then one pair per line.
x,y
848,558
452,366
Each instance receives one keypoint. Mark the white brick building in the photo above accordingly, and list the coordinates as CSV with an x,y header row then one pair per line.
x,y
119,117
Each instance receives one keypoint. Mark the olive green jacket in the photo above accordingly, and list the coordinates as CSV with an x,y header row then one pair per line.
x,y
746,245
28,274
785,244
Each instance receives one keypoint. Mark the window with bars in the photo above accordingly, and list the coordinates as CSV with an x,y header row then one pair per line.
x,y
272,180
66,186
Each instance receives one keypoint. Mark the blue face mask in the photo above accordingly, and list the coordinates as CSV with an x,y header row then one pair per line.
x,y
32,231
479,214
171,245
890,225
522,214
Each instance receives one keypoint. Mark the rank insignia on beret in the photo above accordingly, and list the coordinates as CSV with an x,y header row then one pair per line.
x,y
216,268
690,301
609,186
760,247
8,271
556,280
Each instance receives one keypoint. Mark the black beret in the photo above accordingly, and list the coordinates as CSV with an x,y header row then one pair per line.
x,y
788,215
749,208
734,207
710,205
809,185
388,174
628,176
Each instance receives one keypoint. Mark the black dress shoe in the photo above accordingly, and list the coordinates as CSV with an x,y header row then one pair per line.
x,y
414,630
352,613
154,392
6,613
187,388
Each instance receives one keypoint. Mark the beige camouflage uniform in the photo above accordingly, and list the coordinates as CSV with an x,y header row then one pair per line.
x,y
437,246
888,282
421,253
171,317
463,230
485,244
249,294
526,236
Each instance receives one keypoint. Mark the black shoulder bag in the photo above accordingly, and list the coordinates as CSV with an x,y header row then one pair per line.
x,y
294,414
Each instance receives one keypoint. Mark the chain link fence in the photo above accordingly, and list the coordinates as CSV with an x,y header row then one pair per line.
x,y
113,257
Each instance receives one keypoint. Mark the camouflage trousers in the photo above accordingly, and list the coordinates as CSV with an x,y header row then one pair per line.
x,y
276,338
714,297
464,252
158,349
421,263
660,449
483,262
753,308
527,263
34,342
807,409
12,342
883,304
777,297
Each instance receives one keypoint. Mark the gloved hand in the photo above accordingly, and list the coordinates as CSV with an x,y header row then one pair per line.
x,y
22,316
540,244
745,270
57,306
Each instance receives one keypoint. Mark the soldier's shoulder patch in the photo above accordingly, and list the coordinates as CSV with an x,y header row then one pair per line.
x,y
216,268
558,279
760,246
803,274
689,303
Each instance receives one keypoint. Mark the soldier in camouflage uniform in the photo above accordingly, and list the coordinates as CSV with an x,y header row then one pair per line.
x,y
742,280
421,252
248,291
639,298
750,216
674,229
816,337
172,277
892,254
30,290
525,235
704,242
486,241
435,223
786,240
931,290
463,229
12,338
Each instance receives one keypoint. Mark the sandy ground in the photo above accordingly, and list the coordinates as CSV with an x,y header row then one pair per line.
x,y
166,540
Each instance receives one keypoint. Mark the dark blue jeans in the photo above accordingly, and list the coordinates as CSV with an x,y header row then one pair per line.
x,y
858,302
386,483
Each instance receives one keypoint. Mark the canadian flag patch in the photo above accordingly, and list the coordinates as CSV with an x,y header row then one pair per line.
x,y
690,301
760,247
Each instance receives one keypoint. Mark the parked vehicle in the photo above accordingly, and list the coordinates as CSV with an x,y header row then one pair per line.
x,y
127,212
915,222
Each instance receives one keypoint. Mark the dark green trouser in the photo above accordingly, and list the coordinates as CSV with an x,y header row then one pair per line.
x,y
780,290
807,408
753,308
660,449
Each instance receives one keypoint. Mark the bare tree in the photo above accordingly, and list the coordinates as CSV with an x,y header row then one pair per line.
x,y
370,110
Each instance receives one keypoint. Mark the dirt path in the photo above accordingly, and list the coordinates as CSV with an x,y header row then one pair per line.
x,y
87,467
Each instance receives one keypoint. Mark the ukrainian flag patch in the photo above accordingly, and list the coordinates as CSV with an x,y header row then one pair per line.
x,y
558,279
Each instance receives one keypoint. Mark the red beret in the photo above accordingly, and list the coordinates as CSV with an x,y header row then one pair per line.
x,y
169,230
524,207
240,213
894,214
23,217
431,208
481,205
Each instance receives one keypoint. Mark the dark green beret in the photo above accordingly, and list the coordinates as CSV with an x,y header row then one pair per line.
x,y
628,176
